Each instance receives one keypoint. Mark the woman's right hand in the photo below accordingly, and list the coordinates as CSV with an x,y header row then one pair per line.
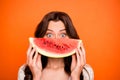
x,y
34,62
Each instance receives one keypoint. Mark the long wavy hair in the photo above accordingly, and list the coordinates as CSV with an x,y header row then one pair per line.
x,y
41,31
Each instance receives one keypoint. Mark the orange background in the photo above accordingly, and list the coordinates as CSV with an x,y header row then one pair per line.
x,y
97,23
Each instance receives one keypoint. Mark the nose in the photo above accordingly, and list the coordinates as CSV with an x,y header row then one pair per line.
x,y
56,36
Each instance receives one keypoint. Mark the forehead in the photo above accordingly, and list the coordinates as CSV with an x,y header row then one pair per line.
x,y
56,25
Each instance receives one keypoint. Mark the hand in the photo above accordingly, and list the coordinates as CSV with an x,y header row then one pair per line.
x,y
34,62
78,62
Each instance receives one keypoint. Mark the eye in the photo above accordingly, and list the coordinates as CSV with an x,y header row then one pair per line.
x,y
63,35
49,35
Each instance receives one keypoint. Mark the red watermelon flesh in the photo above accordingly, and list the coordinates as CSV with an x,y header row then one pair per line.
x,y
55,48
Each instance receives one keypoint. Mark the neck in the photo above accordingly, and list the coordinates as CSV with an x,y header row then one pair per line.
x,y
55,63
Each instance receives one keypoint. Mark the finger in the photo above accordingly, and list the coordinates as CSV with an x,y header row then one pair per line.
x,y
39,57
83,52
82,58
78,56
30,56
73,63
74,58
39,60
82,48
35,57
29,49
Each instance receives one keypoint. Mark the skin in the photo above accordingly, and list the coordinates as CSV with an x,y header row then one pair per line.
x,y
55,67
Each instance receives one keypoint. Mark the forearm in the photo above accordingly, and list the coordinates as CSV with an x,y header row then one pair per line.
x,y
36,78
75,78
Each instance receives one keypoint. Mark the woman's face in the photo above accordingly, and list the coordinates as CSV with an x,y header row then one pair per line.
x,y
56,29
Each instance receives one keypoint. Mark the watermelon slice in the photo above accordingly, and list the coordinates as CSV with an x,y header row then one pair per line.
x,y
55,48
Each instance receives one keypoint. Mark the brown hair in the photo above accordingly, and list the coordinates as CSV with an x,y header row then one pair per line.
x,y
40,32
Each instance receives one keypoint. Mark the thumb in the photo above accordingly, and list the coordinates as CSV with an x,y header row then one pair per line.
x,y
39,60
73,64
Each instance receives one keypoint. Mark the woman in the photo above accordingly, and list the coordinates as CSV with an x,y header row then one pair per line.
x,y
55,25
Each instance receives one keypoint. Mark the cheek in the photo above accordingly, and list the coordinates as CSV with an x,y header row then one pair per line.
x,y
65,37
44,37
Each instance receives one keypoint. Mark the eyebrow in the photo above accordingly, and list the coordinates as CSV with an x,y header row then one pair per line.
x,y
52,30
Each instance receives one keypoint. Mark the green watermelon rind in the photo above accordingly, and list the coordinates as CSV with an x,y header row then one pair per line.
x,y
52,54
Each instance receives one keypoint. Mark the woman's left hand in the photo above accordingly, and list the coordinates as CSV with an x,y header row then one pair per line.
x,y
78,62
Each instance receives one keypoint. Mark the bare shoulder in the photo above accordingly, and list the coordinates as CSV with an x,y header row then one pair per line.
x,y
88,72
21,74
